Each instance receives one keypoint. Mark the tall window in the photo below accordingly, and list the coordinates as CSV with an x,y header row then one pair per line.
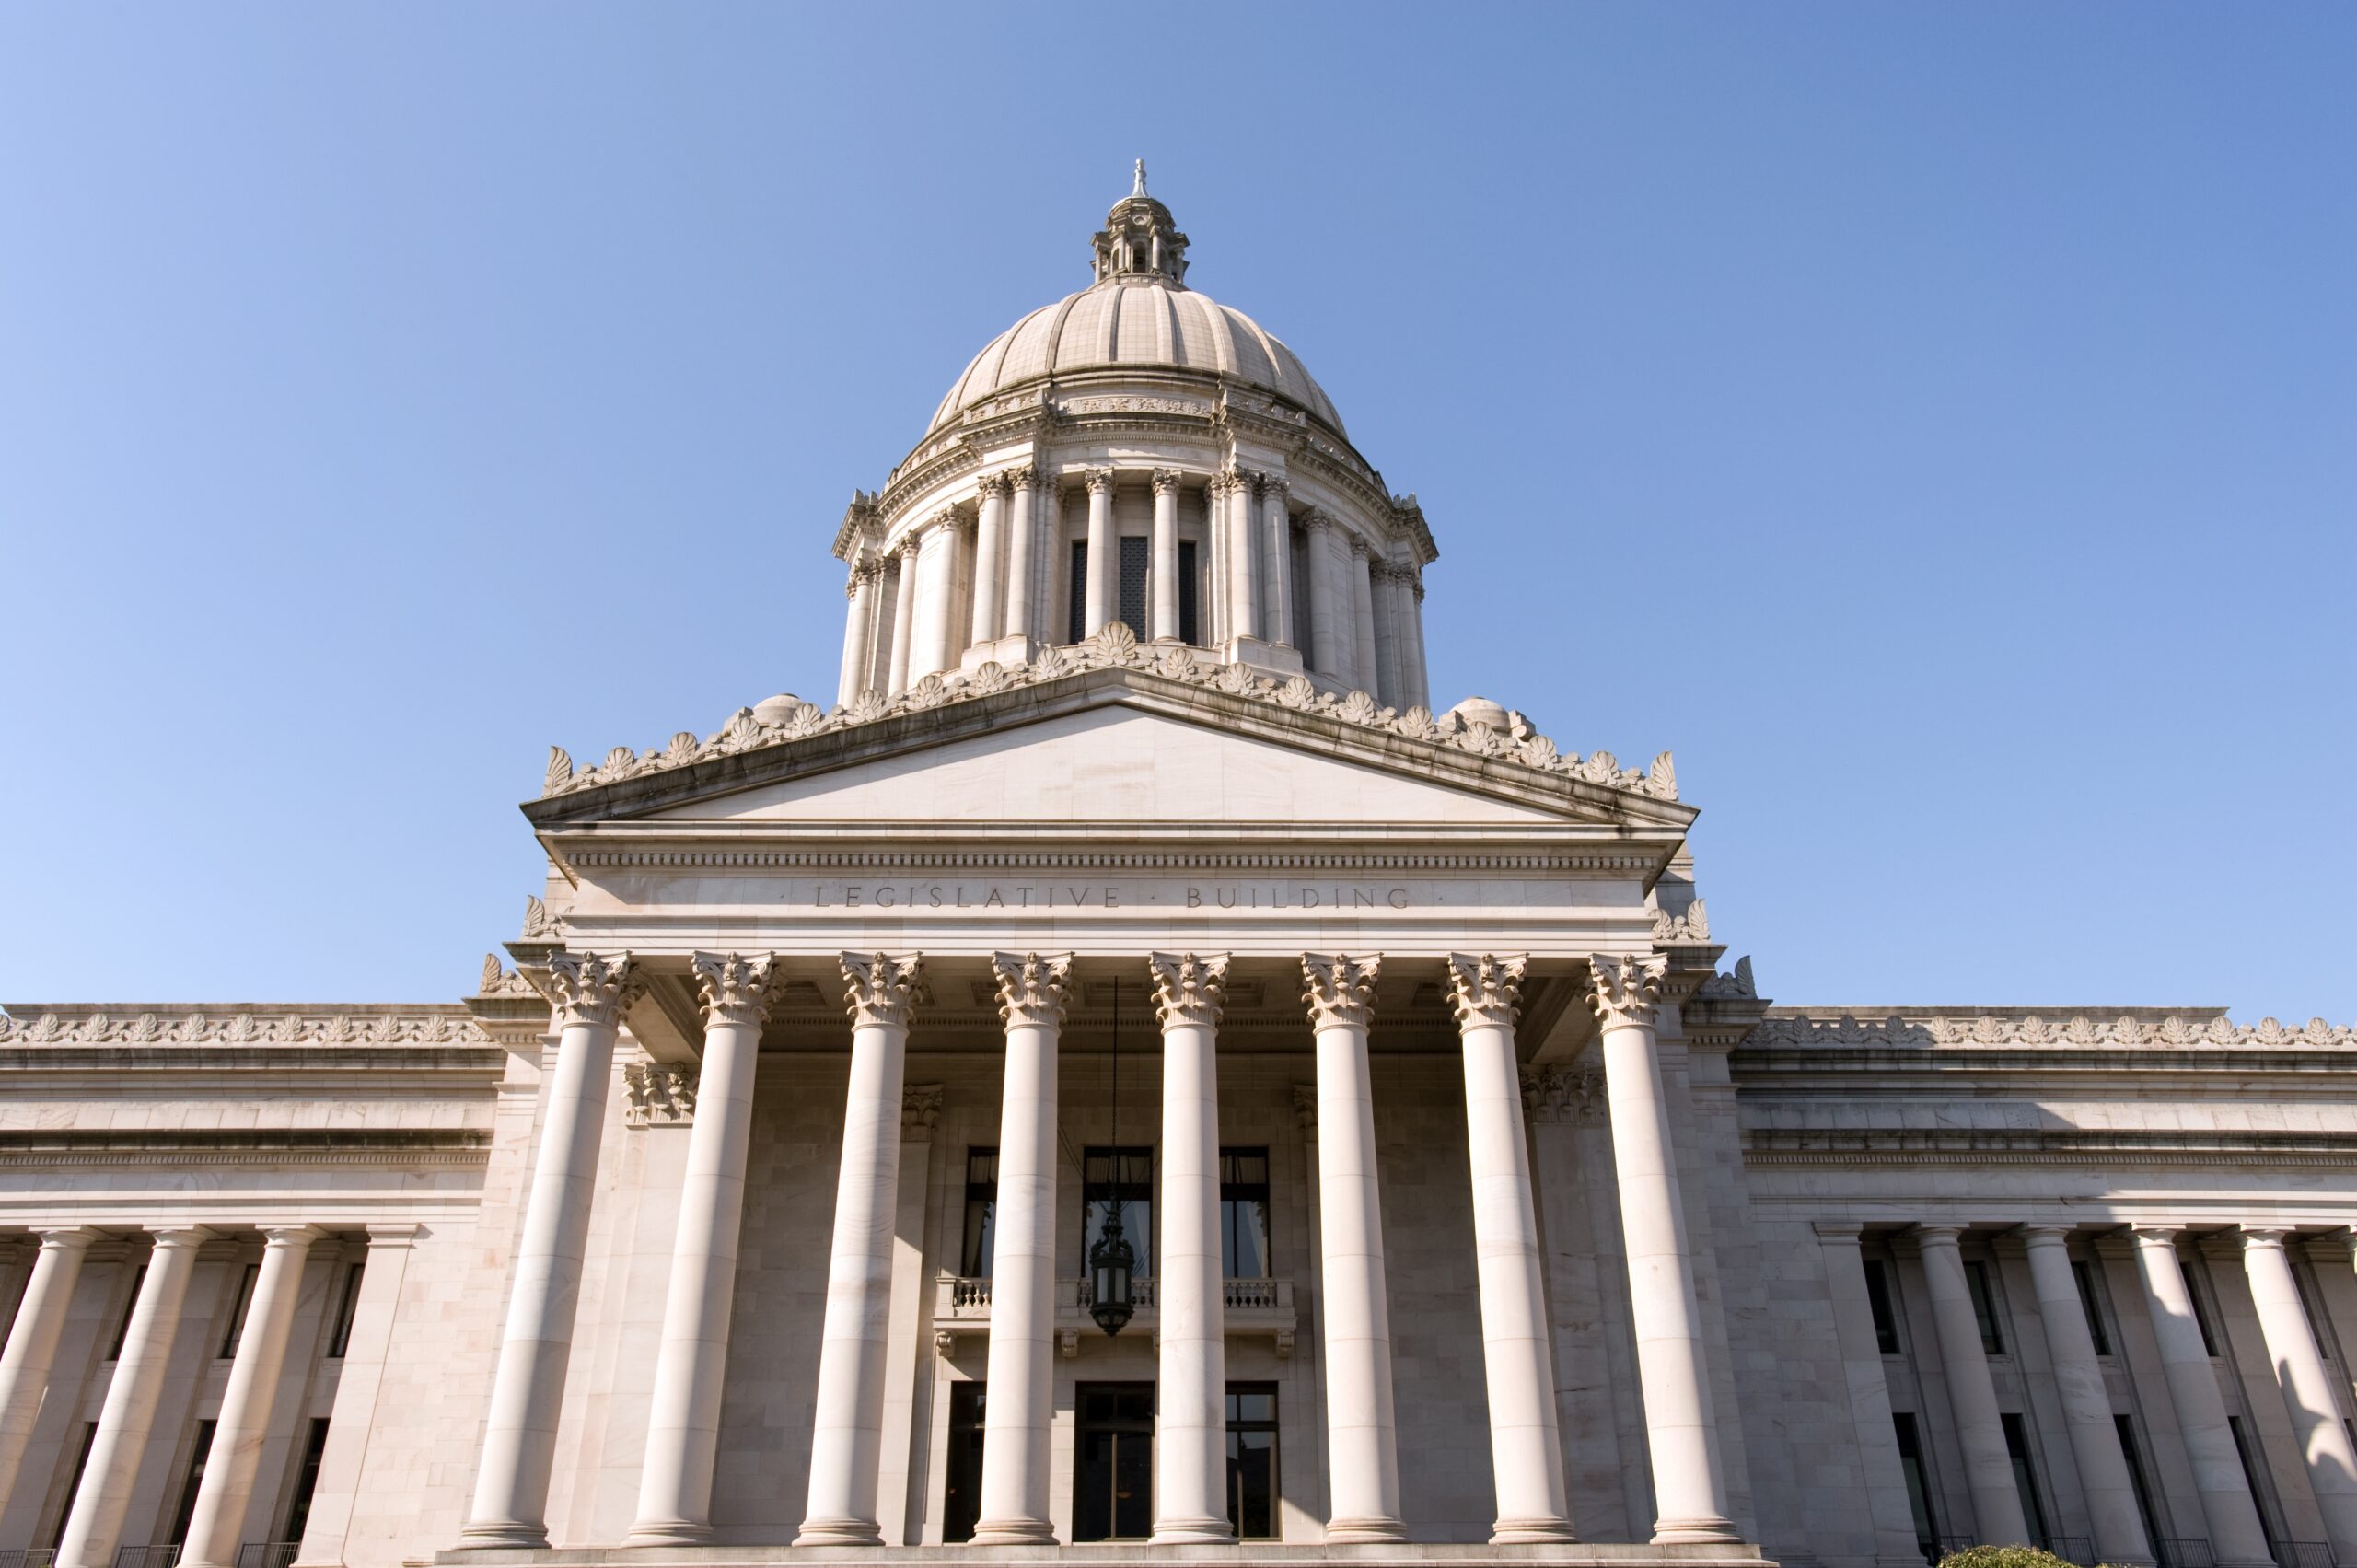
x,y
1190,627
1076,615
1984,1307
2085,1274
122,1325
187,1510
1878,1300
1113,1482
2025,1478
1124,1176
1918,1490
2196,1287
1134,556
1244,1213
347,1307
2136,1477
73,1486
1252,1460
2261,1498
238,1310
961,1501
1297,543
982,1214
307,1479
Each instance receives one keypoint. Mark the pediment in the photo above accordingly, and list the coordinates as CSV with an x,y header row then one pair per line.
x,y
1109,741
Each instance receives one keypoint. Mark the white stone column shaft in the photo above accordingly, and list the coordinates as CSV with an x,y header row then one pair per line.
x,y
2306,1384
1022,551
216,1526
1322,644
936,562
1418,691
1165,554
31,1353
859,633
1518,1367
2236,1537
1243,564
94,1523
1276,539
1389,638
1191,1428
683,1414
1979,1428
904,618
1690,1486
1018,1421
847,1438
2087,1405
511,1496
1103,601
1362,1430
1853,1326
989,561
1365,668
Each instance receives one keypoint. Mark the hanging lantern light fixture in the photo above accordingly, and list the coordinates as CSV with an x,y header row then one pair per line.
x,y
1113,1259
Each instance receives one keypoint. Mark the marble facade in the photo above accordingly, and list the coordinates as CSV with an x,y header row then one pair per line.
x,y
1130,827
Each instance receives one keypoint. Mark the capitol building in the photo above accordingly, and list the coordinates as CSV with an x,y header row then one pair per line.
x,y
1126,1072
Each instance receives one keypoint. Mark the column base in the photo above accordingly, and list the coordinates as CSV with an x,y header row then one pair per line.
x,y
1364,1531
839,1532
1706,1529
505,1532
1192,1532
1532,1532
1013,1532
667,1532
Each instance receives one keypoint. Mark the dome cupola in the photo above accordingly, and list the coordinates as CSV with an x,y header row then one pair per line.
x,y
1138,453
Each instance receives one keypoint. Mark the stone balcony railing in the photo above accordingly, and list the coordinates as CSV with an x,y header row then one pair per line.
x,y
1254,1309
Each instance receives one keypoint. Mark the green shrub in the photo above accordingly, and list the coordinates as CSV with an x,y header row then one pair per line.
x,y
2002,1557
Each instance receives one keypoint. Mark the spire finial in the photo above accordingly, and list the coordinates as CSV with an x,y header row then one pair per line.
x,y
1138,188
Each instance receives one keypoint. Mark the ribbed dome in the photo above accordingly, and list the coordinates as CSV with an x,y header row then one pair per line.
x,y
1142,320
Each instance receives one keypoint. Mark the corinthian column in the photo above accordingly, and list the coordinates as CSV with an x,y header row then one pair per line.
x,y
2235,1534
32,1342
1322,639
1022,549
1165,554
93,1524
990,558
2307,1385
683,1418
1019,1416
528,1390
859,630
936,599
1103,601
2086,1406
846,1441
1362,1444
217,1524
1979,1429
1276,539
1526,1449
904,616
1243,566
1690,1487
1369,677
1190,1430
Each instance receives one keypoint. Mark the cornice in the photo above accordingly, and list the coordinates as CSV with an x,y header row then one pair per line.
x,y
1851,1147
2035,1033
248,1146
181,1023
1518,751
592,849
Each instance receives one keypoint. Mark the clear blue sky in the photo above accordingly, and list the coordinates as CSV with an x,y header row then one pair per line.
x,y
1936,423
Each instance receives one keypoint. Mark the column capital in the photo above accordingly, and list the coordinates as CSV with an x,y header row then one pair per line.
x,y
1486,988
1274,487
69,1237
734,989
1022,476
1625,988
394,1238
1305,1109
920,1110
591,988
1361,548
880,988
2156,1235
1167,480
1318,520
1189,988
1936,1235
2267,1238
1839,1230
1099,481
2043,1235
180,1237
994,485
1032,987
1340,987
282,1236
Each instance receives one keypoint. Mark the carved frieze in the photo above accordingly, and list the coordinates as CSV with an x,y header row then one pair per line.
x,y
920,1110
662,1094
2051,1029
223,1026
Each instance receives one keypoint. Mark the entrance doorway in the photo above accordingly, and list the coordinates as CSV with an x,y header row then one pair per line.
x,y
1112,1484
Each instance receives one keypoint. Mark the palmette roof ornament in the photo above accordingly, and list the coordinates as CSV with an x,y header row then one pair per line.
x,y
2050,1029
1500,733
